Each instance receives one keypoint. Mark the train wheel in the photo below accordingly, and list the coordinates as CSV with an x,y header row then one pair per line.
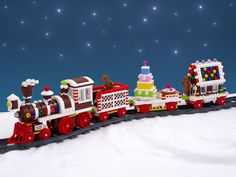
x,y
121,112
198,104
29,137
84,120
103,116
66,125
171,106
144,108
220,101
44,134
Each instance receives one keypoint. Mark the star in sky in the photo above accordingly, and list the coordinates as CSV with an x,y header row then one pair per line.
x,y
154,8
109,18
94,14
124,4
145,20
22,22
214,23
200,6
129,27
140,50
61,55
88,44
45,17
5,7
59,10
83,23
114,45
231,4
156,41
4,44
47,34
34,2
104,31
205,44
175,52
23,48
188,30
176,13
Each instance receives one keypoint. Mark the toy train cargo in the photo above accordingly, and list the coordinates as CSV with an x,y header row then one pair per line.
x,y
80,101
111,100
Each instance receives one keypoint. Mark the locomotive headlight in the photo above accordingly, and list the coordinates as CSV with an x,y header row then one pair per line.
x,y
28,115
9,104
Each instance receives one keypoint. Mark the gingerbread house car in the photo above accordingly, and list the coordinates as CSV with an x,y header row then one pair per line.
x,y
206,79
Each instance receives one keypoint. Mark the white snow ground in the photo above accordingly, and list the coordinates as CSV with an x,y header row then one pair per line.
x,y
199,145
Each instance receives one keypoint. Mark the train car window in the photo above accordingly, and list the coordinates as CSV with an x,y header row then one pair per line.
x,y
88,94
81,95
215,88
203,90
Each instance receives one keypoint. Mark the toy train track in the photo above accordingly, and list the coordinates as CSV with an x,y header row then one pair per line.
x,y
132,115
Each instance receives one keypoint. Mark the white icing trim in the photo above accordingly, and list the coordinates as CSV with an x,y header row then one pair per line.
x,y
47,93
29,82
209,63
61,103
145,67
64,87
12,97
74,84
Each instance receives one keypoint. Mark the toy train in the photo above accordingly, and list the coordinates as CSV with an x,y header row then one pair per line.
x,y
80,101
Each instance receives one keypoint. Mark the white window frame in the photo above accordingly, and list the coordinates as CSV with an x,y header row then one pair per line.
x,y
83,89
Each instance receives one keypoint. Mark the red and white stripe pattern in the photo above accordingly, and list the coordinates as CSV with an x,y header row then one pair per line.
x,y
75,96
99,105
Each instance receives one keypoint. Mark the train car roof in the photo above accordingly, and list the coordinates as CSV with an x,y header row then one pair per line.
x,y
80,81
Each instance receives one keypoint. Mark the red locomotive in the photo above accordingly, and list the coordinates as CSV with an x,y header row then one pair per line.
x,y
80,101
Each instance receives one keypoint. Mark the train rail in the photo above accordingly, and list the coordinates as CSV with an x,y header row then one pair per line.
x,y
132,115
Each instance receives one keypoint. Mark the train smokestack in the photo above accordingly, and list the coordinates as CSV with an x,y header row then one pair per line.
x,y
27,89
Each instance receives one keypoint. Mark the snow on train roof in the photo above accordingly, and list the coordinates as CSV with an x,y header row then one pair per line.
x,y
207,73
80,81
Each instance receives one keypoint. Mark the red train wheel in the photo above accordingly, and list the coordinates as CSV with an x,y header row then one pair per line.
x,y
144,108
121,112
84,120
66,125
44,134
103,116
29,137
198,104
171,106
220,101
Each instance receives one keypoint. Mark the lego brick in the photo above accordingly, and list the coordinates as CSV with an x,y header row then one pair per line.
x,y
143,85
145,93
145,78
145,70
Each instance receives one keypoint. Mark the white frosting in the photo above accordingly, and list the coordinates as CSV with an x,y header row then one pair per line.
x,y
29,82
64,86
47,93
12,97
168,90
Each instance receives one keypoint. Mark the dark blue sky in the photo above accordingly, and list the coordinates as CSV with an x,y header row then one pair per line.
x,y
54,40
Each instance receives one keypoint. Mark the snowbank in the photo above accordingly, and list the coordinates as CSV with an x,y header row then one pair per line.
x,y
175,146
